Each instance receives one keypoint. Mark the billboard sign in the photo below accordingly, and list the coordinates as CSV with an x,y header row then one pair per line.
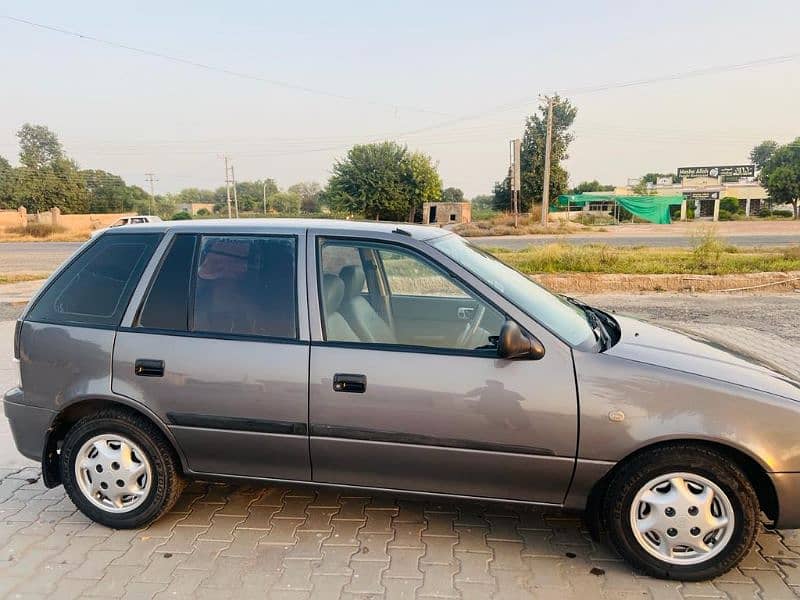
x,y
701,195
723,171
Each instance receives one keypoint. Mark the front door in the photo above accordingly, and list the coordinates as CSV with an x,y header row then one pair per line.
x,y
216,352
406,390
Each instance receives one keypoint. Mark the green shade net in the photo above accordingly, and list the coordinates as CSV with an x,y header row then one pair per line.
x,y
650,208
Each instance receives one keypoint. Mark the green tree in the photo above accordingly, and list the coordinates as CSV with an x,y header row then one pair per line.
x,y
452,194
760,154
501,195
781,175
532,157
38,146
285,202
591,186
6,175
309,192
383,181
107,192
482,202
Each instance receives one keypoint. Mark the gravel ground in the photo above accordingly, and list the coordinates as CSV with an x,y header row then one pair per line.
x,y
774,314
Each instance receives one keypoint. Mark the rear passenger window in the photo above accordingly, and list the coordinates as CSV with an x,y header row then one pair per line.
x,y
167,304
246,286
96,287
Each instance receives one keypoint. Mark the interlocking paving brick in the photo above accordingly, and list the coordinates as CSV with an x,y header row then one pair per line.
x,y
296,575
404,563
367,578
345,533
200,515
222,528
408,534
300,542
438,581
294,507
373,546
327,498
282,532
319,519
204,556
113,582
401,589
439,550
379,520
440,524
245,542
503,528
352,509
474,567
336,560
772,585
472,539
328,586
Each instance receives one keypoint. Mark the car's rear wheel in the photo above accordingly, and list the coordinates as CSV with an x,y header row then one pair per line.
x,y
681,512
119,470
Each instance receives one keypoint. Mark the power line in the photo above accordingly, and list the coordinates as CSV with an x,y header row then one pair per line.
x,y
223,70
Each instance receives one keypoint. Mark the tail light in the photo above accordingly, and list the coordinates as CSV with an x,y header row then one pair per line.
x,y
17,331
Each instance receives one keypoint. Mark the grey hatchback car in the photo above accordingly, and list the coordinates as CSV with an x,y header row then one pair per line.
x,y
392,357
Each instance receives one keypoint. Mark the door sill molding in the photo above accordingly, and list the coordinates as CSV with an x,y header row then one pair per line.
x,y
345,486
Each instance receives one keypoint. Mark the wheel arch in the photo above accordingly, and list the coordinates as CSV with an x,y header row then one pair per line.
x,y
82,407
753,470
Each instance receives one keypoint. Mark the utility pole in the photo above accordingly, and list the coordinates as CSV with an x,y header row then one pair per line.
x,y
516,150
547,147
227,186
265,198
151,177
235,197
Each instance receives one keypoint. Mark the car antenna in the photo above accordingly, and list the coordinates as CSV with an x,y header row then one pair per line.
x,y
401,232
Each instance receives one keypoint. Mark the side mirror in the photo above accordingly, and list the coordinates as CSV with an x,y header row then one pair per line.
x,y
514,343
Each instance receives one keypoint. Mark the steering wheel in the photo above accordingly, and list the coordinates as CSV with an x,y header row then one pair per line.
x,y
471,326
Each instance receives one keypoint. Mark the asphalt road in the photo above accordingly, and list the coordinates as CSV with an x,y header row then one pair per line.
x,y
663,241
34,257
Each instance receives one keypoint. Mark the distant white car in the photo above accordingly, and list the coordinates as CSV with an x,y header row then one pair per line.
x,y
135,220
123,221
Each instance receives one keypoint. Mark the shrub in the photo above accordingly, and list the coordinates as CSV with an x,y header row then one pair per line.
x,y
203,212
706,250
731,205
37,230
181,216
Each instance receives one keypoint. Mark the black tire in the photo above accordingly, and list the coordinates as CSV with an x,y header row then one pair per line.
x,y
698,460
167,483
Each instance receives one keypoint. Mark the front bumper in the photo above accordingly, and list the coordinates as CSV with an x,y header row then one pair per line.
x,y
787,488
29,424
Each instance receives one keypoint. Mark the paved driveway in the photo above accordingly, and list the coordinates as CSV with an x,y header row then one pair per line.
x,y
224,541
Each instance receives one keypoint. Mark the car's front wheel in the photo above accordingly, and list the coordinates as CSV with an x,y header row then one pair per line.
x,y
681,512
119,470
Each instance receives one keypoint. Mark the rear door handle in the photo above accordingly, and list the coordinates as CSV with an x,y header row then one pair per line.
x,y
348,382
148,367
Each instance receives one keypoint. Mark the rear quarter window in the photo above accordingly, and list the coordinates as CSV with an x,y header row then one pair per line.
x,y
96,286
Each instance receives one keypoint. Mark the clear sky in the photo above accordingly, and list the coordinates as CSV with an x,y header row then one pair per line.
x,y
365,71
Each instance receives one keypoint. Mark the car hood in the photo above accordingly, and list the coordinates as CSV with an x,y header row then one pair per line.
x,y
691,353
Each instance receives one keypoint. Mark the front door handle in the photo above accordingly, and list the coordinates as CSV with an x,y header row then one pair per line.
x,y
348,382
147,367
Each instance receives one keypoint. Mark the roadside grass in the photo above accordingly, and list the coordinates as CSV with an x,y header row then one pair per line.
x,y
20,277
40,232
503,224
707,257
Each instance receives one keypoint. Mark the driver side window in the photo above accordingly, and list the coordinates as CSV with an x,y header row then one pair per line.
x,y
380,293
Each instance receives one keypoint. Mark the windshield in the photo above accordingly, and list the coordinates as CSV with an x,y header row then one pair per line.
x,y
564,319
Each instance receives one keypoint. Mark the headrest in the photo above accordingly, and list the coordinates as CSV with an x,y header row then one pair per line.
x,y
353,278
332,293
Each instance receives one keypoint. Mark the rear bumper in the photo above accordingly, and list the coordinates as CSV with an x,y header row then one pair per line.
x,y
787,488
29,424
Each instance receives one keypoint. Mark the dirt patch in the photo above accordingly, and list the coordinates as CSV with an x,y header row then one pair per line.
x,y
596,283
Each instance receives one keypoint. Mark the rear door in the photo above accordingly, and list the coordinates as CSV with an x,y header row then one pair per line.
x,y
219,350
